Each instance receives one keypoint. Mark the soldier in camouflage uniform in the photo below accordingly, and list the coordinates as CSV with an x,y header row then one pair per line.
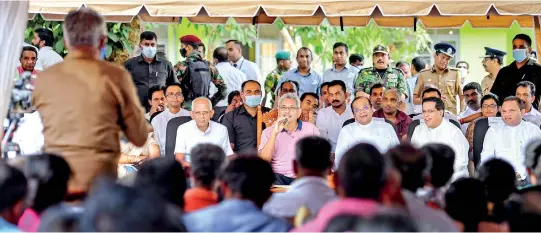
x,y
189,44
284,64
382,73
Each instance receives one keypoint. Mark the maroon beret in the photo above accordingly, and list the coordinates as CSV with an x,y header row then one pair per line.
x,y
190,39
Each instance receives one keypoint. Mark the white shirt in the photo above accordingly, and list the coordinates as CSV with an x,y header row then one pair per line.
x,y
233,79
249,68
47,57
159,123
450,135
467,112
330,123
188,136
378,133
508,143
533,117
312,192
29,134
347,75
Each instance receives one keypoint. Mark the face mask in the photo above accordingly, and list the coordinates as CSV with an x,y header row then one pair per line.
x,y
463,72
149,52
183,52
253,100
103,53
519,54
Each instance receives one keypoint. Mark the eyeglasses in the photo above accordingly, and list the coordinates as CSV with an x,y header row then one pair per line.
x,y
288,90
365,108
178,95
489,106
430,111
284,109
203,113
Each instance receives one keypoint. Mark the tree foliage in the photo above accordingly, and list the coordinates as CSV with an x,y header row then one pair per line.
x,y
247,34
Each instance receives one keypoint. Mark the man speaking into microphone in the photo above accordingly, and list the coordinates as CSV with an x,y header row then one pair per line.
x,y
85,103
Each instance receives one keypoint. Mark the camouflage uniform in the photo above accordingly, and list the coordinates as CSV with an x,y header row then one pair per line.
x,y
215,78
392,77
271,82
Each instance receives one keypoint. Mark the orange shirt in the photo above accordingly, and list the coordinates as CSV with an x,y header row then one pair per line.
x,y
199,198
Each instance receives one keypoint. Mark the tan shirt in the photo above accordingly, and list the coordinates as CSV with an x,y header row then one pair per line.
x,y
84,103
448,82
486,83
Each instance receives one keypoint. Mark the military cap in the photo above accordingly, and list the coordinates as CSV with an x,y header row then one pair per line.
x,y
282,55
445,48
190,39
381,49
492,53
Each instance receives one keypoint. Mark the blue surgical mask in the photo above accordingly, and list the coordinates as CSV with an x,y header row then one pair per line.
x,y
520,54
253,100
149,52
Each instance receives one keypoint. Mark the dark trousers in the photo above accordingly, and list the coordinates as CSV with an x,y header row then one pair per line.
x,y
282,180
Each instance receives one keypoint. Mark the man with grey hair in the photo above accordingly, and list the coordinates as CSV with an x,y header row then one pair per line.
x,y
278,141
200,130
85,102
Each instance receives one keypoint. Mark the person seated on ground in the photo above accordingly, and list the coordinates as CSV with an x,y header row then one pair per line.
x,y
233,101
206,162
164,177
245,182
442,159
391,220
499,179
390,112
13,189
310,189
432,91
48,177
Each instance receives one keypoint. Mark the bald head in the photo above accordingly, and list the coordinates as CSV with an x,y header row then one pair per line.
x,y
392,92
220,55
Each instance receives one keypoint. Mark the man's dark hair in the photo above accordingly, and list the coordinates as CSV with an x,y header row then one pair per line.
x,y
165,177
338,83
359,98
176,85
313,153
48,176
520,103
362,172
465,202
473,86
324,84
250,176
148,35
376,86
463,62
220,54
60,218
442,158
155,88
355,58
431,89
295,83
305,49
499,178
418,63
45,35
524,37
527,84
401,63
340,44
237,42
306,94
490,96
440,106
207,160
13,186
203,46
249,81
413,165
231,96
29,48
523,211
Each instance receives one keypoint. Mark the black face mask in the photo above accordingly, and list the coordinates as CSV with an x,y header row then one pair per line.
x,y
183,52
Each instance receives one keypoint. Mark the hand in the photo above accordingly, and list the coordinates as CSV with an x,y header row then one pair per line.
x,y
230,108
185,164
311,118
279,124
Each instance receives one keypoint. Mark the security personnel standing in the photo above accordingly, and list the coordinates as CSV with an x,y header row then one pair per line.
x,y
283,61
492,62
445,78
381,72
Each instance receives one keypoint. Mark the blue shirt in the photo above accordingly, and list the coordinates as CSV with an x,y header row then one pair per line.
x,y
234,215
308,83
347,75
5,226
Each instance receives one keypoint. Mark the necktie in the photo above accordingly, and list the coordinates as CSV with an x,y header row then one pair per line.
x,y
235,65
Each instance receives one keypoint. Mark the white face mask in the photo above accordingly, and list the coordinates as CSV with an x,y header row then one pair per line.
x,y
149,52
463,73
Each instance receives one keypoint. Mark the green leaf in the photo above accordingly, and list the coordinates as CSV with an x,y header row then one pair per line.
x,y
108,50
126,33
113,37
59,46
126,45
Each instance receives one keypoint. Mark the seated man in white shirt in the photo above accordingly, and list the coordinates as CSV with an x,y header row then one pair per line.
x,y
311,165
434,129
365,129
432,91
526,92
156,100
200,130
174,98
508,141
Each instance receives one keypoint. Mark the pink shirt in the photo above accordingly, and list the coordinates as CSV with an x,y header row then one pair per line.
x,y
284,149
29,221
354,206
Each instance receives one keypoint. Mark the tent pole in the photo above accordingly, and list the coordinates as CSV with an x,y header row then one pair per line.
x,y
537,34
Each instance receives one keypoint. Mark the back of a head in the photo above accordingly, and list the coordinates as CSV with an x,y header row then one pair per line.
x,y
207,160
412,164
165,177
442,159
418,63
362,172
113,207
499,179
313,153
60,218
466,202
524,212
250,176
220,54
48,177
386,221
533,158
83,27
13,186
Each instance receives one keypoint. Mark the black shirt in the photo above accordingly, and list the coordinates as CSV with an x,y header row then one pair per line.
x,y
242,128
506,82
145,75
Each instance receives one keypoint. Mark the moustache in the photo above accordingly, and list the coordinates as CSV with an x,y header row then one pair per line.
x,y
380,61
335,101
471,102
